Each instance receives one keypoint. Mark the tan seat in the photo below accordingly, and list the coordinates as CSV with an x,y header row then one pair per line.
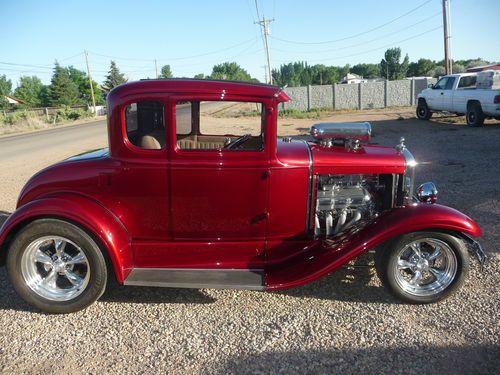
x,y
150,143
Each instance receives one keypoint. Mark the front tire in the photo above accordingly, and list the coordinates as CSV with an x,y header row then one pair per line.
x,y
423,267
423,111
475,116
56,267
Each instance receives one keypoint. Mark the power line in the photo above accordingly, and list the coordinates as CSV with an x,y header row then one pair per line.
x,y
362,43
358,34
378,48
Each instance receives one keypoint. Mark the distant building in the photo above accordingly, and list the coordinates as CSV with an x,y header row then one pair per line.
x,y
12,100
353,78
484,67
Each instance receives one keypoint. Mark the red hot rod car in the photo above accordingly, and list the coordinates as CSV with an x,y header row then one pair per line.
x,y
196,190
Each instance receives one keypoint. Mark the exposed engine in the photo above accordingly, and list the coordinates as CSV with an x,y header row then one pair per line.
x,y
344,200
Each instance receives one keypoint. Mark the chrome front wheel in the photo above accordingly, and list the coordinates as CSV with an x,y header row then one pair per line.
x,y
423,267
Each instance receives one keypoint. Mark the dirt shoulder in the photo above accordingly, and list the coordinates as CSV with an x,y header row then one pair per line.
x,y
36,126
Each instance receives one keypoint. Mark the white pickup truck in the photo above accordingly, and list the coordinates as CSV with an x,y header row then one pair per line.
x,y
457,93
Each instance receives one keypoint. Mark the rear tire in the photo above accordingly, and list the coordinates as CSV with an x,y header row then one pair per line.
x,y
423,267
475,116
56,267
423,111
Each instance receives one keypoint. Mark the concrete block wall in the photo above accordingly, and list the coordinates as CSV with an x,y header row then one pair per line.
x,y
357,96
372,95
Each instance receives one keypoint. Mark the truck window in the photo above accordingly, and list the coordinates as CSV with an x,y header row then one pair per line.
x,y
467,82
144,125
217,125
449,83
441,84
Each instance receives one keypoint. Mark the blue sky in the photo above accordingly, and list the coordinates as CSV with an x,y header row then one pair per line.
x,y
192,36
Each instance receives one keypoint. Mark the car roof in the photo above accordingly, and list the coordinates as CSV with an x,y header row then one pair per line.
x,y
199,86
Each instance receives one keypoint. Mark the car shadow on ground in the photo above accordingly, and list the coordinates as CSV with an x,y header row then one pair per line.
x,y
355,282
425,358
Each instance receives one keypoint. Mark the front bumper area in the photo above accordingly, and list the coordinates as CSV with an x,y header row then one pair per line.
x,y
476,250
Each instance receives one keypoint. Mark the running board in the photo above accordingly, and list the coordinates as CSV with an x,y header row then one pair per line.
x,y
197,278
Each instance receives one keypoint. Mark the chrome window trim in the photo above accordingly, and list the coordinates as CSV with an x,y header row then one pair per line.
x,y
310,195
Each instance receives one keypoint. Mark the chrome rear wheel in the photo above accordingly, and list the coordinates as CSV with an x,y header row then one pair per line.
x,y
55,268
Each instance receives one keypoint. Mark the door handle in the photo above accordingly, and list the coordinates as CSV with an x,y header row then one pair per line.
x,y
260,217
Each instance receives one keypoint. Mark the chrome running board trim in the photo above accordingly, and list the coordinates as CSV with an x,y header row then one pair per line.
x,y
197,278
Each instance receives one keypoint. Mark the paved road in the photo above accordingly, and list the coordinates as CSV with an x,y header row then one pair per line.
x,y
44,142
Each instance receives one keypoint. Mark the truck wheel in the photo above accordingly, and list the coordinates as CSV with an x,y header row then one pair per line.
x,y
56,267
423,267
475,115
423,112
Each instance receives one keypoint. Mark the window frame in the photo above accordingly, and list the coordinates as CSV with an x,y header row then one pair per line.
x,y
221,151
124,132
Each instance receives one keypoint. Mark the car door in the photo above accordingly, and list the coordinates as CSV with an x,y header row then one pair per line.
x,y
447,95
219,182
435,96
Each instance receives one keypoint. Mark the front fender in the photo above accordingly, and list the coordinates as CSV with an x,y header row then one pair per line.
x,y
81,211
333,253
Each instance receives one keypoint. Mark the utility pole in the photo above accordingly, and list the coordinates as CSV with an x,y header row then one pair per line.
x,y
90,80
445,29
156,69
265,24
265,71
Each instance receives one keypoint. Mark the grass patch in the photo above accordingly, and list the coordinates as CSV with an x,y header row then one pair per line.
x,y
295,113
23,121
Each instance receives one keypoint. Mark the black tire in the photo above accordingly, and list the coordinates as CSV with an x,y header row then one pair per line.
x,y
29,275
475,116
395,276
423,111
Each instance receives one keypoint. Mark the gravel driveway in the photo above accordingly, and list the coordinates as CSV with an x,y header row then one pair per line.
x,y
344,323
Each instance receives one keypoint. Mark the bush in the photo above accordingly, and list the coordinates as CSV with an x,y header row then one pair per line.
x,y
68,113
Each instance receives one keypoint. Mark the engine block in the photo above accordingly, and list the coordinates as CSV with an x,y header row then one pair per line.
x,y
343,200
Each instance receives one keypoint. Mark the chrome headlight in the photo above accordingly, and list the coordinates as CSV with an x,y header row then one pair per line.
x,y
427,193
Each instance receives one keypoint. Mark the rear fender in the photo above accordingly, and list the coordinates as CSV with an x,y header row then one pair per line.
x,y
333,253
81,211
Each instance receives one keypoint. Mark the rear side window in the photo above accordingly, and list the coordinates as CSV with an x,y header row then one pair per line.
x,y
145,124
467,81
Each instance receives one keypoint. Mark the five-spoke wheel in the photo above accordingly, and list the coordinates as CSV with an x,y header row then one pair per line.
x,y
56,266
423,267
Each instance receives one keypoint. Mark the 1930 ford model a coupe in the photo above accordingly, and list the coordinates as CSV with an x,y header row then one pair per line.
x,y
197,191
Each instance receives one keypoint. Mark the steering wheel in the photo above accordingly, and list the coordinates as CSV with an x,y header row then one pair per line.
x,y
238,142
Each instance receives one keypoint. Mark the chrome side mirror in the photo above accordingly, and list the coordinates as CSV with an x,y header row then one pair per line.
x,y
427,193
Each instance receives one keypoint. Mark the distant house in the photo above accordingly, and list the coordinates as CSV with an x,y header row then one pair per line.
x,y
353,78
484,67
12,100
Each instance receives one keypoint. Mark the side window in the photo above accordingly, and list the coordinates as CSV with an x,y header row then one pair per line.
x,y
449,84
467,82
441,84
145,125
217,125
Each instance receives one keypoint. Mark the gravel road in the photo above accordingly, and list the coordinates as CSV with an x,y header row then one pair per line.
x,y
344,323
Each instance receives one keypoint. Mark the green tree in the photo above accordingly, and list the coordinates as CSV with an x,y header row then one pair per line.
x,y
5,89
231,71
421,68
366,70
63,91
166,72
114,77
81,79
30,91
391,68
199,76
